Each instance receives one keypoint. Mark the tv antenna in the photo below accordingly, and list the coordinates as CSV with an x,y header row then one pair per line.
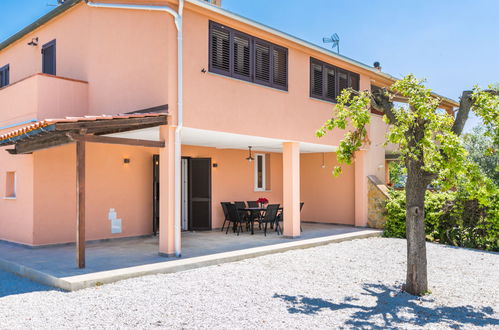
x,y
335,40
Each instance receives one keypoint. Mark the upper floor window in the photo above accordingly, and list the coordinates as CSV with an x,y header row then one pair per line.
x,y
236,54
327,81
48,58
4,76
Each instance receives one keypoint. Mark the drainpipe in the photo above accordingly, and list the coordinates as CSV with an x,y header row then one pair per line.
x,y
177,16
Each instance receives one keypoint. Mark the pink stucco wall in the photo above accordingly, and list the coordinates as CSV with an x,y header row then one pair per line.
x,y
110,184
16,214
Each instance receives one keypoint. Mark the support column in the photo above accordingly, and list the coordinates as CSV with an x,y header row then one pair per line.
x,y
360,189
167,192
80,204
291,188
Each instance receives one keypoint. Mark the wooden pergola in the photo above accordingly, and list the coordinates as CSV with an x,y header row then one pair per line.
x,y
56,132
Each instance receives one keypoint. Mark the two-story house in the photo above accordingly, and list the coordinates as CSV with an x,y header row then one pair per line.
x,y
154,112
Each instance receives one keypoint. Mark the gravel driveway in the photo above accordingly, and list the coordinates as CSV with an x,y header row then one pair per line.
x,y
346,285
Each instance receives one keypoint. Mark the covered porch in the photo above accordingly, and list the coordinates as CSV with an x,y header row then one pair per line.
x,y
290,172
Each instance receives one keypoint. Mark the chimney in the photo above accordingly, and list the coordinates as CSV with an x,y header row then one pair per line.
x,y
377,66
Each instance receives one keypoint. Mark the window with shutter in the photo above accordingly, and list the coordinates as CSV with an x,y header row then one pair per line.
x,y
4,76
219,50
262,62
242,56
49,58
327,81
235,54
280,66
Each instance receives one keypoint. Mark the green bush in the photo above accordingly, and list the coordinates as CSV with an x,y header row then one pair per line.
x,y
452,218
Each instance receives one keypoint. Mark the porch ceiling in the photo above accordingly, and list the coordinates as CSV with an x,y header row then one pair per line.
x,y
224,140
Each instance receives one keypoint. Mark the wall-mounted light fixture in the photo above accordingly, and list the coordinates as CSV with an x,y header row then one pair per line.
x,y
250,157
126,160
203,70
33,42
215,165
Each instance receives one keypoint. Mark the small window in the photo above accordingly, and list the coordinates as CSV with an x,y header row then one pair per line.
x,y
48,58
10,185
327,81
4,76
260,172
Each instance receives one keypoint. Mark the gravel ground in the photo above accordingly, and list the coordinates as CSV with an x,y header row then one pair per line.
x,y
346,285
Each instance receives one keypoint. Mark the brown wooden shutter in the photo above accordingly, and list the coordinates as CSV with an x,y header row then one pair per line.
x,y
330,83
241,55
354,81
219,49
316,79
280,67
262,62
342,80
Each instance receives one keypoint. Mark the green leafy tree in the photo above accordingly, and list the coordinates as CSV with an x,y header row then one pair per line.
x,y
482,151
429,147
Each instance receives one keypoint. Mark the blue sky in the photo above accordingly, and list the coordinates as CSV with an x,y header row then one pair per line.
x,y
454,44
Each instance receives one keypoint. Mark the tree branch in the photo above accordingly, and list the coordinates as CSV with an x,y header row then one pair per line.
x,y
464,110
380,101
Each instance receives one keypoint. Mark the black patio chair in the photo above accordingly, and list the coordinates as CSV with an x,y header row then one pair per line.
x,y
234,217
244,215
254,215
270,217
226,214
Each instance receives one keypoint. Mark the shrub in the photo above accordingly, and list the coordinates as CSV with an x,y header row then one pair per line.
x,y
453,218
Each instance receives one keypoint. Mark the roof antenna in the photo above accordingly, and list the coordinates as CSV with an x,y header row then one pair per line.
x,y
335,40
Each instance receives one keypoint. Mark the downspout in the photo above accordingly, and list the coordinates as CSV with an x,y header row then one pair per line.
x,y
177,16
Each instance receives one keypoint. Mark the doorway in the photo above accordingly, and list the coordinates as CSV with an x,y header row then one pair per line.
x,y
195,193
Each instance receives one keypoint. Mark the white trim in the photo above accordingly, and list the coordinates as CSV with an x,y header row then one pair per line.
x,y
264,173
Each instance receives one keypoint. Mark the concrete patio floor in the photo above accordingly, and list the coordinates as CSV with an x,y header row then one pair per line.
x,y
115,259
59,260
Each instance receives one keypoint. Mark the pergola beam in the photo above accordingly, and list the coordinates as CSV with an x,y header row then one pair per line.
x,y
116,140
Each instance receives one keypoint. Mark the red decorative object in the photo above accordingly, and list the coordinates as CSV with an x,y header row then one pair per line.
x,y
262,200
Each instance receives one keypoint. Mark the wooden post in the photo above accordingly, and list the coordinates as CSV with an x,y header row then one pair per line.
x,y
80,204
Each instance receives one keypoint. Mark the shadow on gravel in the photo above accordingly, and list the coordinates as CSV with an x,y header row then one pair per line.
x,y
394,307
11,284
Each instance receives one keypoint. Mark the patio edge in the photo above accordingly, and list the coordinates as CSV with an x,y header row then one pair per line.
x,y
34,275
78,282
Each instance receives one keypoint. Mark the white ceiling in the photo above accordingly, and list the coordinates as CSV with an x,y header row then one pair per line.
x,y
223,140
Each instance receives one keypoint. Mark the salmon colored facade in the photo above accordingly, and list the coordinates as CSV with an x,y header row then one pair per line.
x,y
111,61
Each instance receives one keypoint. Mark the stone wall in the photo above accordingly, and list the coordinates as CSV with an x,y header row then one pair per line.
x,y
377,194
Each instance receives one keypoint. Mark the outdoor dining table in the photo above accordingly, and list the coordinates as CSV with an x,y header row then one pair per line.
x,y
260,211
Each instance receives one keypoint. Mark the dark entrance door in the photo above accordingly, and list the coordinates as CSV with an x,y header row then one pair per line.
x,y
200,193
155,194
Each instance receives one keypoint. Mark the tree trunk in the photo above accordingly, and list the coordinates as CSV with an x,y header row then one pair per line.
x,y
417,279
